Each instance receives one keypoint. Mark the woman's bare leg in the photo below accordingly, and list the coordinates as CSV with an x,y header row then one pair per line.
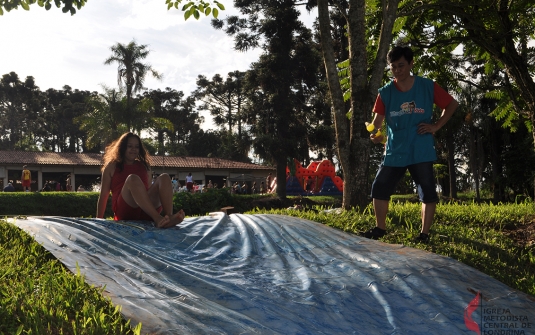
x,y
135,195
161,194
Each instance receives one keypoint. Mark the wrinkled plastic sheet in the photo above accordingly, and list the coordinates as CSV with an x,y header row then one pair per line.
x,y
273,274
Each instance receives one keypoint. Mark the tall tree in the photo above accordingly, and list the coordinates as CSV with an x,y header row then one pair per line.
x,y
225,100
205,144
104,118
131,71
286,66
61,133
21,103
367,60
179,111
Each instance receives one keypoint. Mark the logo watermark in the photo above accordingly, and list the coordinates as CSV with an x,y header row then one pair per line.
x,y
495,321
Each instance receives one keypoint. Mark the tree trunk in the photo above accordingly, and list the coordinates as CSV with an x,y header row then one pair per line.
x,y
361,103
363,92
281,177
532,116
450,143
341,123
352,139
474,158
496,162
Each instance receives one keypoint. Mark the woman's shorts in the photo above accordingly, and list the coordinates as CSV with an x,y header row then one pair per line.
x,y
124,211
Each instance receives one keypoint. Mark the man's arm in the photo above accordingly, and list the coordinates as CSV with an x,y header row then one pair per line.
x,y
447,113
378,123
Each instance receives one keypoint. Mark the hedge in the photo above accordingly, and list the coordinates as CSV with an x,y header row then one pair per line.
x,y
84,204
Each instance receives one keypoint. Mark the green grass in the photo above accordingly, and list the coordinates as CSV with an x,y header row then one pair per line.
x,y
38,295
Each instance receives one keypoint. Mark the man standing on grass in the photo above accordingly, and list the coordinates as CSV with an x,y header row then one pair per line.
x,y
406,103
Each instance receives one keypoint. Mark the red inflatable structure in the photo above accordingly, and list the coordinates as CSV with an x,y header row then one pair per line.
x,y
317,178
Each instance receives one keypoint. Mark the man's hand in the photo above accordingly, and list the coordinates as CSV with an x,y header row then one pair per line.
x,y
377,139
426,128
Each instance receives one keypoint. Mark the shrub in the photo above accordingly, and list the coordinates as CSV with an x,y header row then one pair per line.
x,y
70,204
203,203
84,204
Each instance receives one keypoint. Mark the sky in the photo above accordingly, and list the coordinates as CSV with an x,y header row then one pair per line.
x,y
58,49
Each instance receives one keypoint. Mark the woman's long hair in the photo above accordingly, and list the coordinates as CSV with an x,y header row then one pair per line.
x,y
116,150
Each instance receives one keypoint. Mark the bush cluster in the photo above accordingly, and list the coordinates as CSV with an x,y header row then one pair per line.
x,y
70,204
84,204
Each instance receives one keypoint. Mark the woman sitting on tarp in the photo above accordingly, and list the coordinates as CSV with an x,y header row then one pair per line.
x,y
126,173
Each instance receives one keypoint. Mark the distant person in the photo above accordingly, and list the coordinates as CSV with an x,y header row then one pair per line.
x,y
68,186
189,182
268,182
58,186
210,185
244,188
9,188
81,188
26,179
126,173
253,188
262,188
176,185
47,187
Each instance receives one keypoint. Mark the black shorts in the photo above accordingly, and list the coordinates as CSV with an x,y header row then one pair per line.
x,y
388,177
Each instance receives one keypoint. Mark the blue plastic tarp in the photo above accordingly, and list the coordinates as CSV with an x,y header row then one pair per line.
x,y
274,274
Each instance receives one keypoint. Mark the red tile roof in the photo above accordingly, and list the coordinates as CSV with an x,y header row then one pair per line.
x,y
92,159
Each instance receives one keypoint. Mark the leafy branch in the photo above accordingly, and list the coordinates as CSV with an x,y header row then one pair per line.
x,y
197,8
69,6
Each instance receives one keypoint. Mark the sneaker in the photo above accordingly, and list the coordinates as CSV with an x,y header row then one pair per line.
x,y
374,233
423,238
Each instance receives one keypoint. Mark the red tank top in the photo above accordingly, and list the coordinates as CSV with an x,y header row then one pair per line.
x,y
119,177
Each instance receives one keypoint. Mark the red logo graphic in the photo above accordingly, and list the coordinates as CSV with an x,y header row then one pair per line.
x,y
468,321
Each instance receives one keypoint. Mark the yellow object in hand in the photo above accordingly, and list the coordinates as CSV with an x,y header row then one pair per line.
x,y
377,132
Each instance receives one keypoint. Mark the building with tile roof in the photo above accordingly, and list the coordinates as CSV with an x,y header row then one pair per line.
x,y
84,168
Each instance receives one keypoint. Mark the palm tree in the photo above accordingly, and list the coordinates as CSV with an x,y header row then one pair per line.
x,y
131,71
104,118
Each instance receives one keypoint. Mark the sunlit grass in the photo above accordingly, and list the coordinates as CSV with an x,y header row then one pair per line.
x,y
38,295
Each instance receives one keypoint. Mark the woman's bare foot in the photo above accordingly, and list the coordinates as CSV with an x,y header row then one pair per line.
x,y
175,219
164,221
